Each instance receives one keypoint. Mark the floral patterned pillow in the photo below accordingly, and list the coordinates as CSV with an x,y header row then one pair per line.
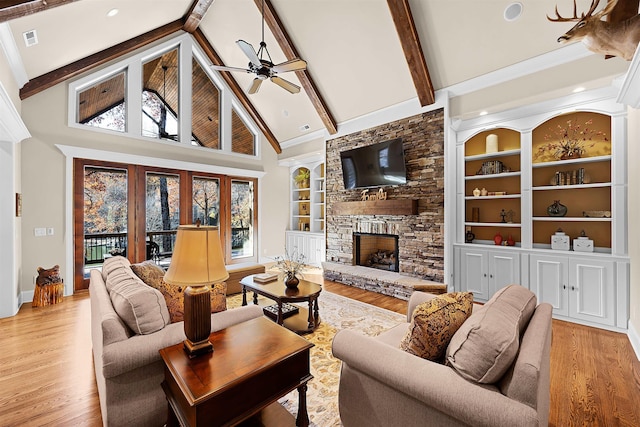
x,y
153,275
434,322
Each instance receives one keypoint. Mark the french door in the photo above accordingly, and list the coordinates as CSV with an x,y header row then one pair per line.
x,y
134,211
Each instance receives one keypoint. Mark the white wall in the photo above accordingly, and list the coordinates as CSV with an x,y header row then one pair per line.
x,y
44,175
633,117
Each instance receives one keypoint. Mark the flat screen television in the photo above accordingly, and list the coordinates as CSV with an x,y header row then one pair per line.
x,y
374,165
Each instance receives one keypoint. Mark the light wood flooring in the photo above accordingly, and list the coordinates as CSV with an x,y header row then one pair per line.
x,y
46,368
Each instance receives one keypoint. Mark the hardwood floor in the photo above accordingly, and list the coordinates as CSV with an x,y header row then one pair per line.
x,y
46,368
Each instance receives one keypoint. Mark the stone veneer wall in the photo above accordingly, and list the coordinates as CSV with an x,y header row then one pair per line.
x,y
421,237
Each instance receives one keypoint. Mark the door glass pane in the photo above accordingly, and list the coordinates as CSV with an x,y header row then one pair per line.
x,y
103,104
242,139
241,219
206,200
205,120
105,215
163,216
160,97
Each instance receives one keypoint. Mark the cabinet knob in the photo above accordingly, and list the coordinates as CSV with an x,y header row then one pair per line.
x,y
485,274
564,286
573,288
491,276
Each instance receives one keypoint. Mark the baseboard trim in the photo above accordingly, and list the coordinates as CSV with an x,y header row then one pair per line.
x,y
25,296
634,338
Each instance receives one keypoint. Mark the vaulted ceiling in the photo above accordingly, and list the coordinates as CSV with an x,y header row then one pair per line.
x,y
363,55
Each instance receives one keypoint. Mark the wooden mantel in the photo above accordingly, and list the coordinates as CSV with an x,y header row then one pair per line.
x,y
376,207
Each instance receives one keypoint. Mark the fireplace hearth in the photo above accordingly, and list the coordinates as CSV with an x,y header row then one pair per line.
x,y
376,251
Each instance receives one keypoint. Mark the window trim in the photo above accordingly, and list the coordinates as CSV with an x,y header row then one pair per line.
x,y
132,66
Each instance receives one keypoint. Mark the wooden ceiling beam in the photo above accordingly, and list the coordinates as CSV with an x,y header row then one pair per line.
x,y
194,16
290,52
410,41
213,56
12,9
80,66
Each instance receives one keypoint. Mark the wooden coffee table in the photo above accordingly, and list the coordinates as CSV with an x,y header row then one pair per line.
x,y
305,320
253,364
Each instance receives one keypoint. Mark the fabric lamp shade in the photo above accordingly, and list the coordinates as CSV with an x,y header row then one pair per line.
x,y
197,257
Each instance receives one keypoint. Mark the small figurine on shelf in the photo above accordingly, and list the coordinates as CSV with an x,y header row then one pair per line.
x,y
497,239
483,192
503,215
469,236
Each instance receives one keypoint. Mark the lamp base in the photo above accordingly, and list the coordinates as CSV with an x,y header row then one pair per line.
x,y
194,349
197,320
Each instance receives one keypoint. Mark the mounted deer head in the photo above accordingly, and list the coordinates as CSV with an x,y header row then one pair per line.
x,y
616,39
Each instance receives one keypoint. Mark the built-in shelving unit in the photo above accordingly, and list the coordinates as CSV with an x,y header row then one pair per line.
x,y
535,172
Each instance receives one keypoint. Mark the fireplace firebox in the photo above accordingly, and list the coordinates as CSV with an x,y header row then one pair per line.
x,y
376,251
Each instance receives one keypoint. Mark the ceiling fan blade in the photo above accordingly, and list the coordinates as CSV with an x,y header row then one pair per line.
x,y
225,68
250,52
255,86
296,64
287,85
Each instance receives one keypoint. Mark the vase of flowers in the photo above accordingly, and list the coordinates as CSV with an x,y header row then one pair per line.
x,y
292,265
570,141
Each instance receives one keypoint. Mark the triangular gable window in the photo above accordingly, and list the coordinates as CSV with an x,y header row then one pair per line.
x,y
176,98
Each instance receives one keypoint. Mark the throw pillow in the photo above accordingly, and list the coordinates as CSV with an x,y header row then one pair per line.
x,y
153,275
434,322
142,308
486,345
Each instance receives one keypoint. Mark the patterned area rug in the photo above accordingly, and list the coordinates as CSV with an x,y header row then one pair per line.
x,y
336,313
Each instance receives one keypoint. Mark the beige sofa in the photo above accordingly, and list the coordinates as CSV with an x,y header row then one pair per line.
x,y
127,365
382,385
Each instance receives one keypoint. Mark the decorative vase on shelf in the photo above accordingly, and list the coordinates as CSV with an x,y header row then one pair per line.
x,y
291,281
557,209
484,192
497,239
570,155
476,192
511,241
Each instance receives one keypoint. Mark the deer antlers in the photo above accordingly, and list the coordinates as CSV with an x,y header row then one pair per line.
x,y
594,5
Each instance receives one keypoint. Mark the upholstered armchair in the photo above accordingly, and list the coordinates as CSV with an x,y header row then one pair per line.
x,y
382,385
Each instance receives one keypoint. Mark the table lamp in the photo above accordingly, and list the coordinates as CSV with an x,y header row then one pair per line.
x,y
197,263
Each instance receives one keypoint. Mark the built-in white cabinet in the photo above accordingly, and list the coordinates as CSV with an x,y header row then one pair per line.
x,y
577,288
306,233
521,175
310,244
483,272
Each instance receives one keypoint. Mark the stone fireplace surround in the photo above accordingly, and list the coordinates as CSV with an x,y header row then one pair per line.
x,y
420,237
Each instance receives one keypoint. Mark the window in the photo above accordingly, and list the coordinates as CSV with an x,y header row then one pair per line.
x,y
242,139
205,109
206,201
162,214
103,104
156,80
242,208
160,90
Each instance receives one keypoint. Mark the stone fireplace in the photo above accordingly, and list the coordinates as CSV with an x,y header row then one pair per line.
x,y
376,251
419,234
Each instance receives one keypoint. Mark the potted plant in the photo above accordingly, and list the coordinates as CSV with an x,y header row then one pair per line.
x,y
291,265
302,178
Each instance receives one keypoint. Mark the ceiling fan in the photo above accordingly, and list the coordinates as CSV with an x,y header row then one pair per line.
x,y
262,66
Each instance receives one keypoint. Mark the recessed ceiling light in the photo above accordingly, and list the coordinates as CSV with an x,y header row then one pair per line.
x,y
578,89
513,11
112,12
483,113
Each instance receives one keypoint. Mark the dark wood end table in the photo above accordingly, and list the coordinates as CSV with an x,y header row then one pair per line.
x,y
306,320
254,363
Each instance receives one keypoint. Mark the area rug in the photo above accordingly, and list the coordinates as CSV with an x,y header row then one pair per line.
x,y
336,313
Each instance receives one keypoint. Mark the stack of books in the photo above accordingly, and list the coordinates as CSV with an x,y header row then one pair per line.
x,y
265,277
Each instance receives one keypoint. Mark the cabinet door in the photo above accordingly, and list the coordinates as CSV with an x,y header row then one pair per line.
x,y
473,274
504,269
592,290
549,278
316,250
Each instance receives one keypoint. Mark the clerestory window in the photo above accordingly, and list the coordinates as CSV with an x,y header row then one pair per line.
x,y
168,94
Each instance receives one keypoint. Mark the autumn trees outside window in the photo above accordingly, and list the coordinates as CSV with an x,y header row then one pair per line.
x,y
134,211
